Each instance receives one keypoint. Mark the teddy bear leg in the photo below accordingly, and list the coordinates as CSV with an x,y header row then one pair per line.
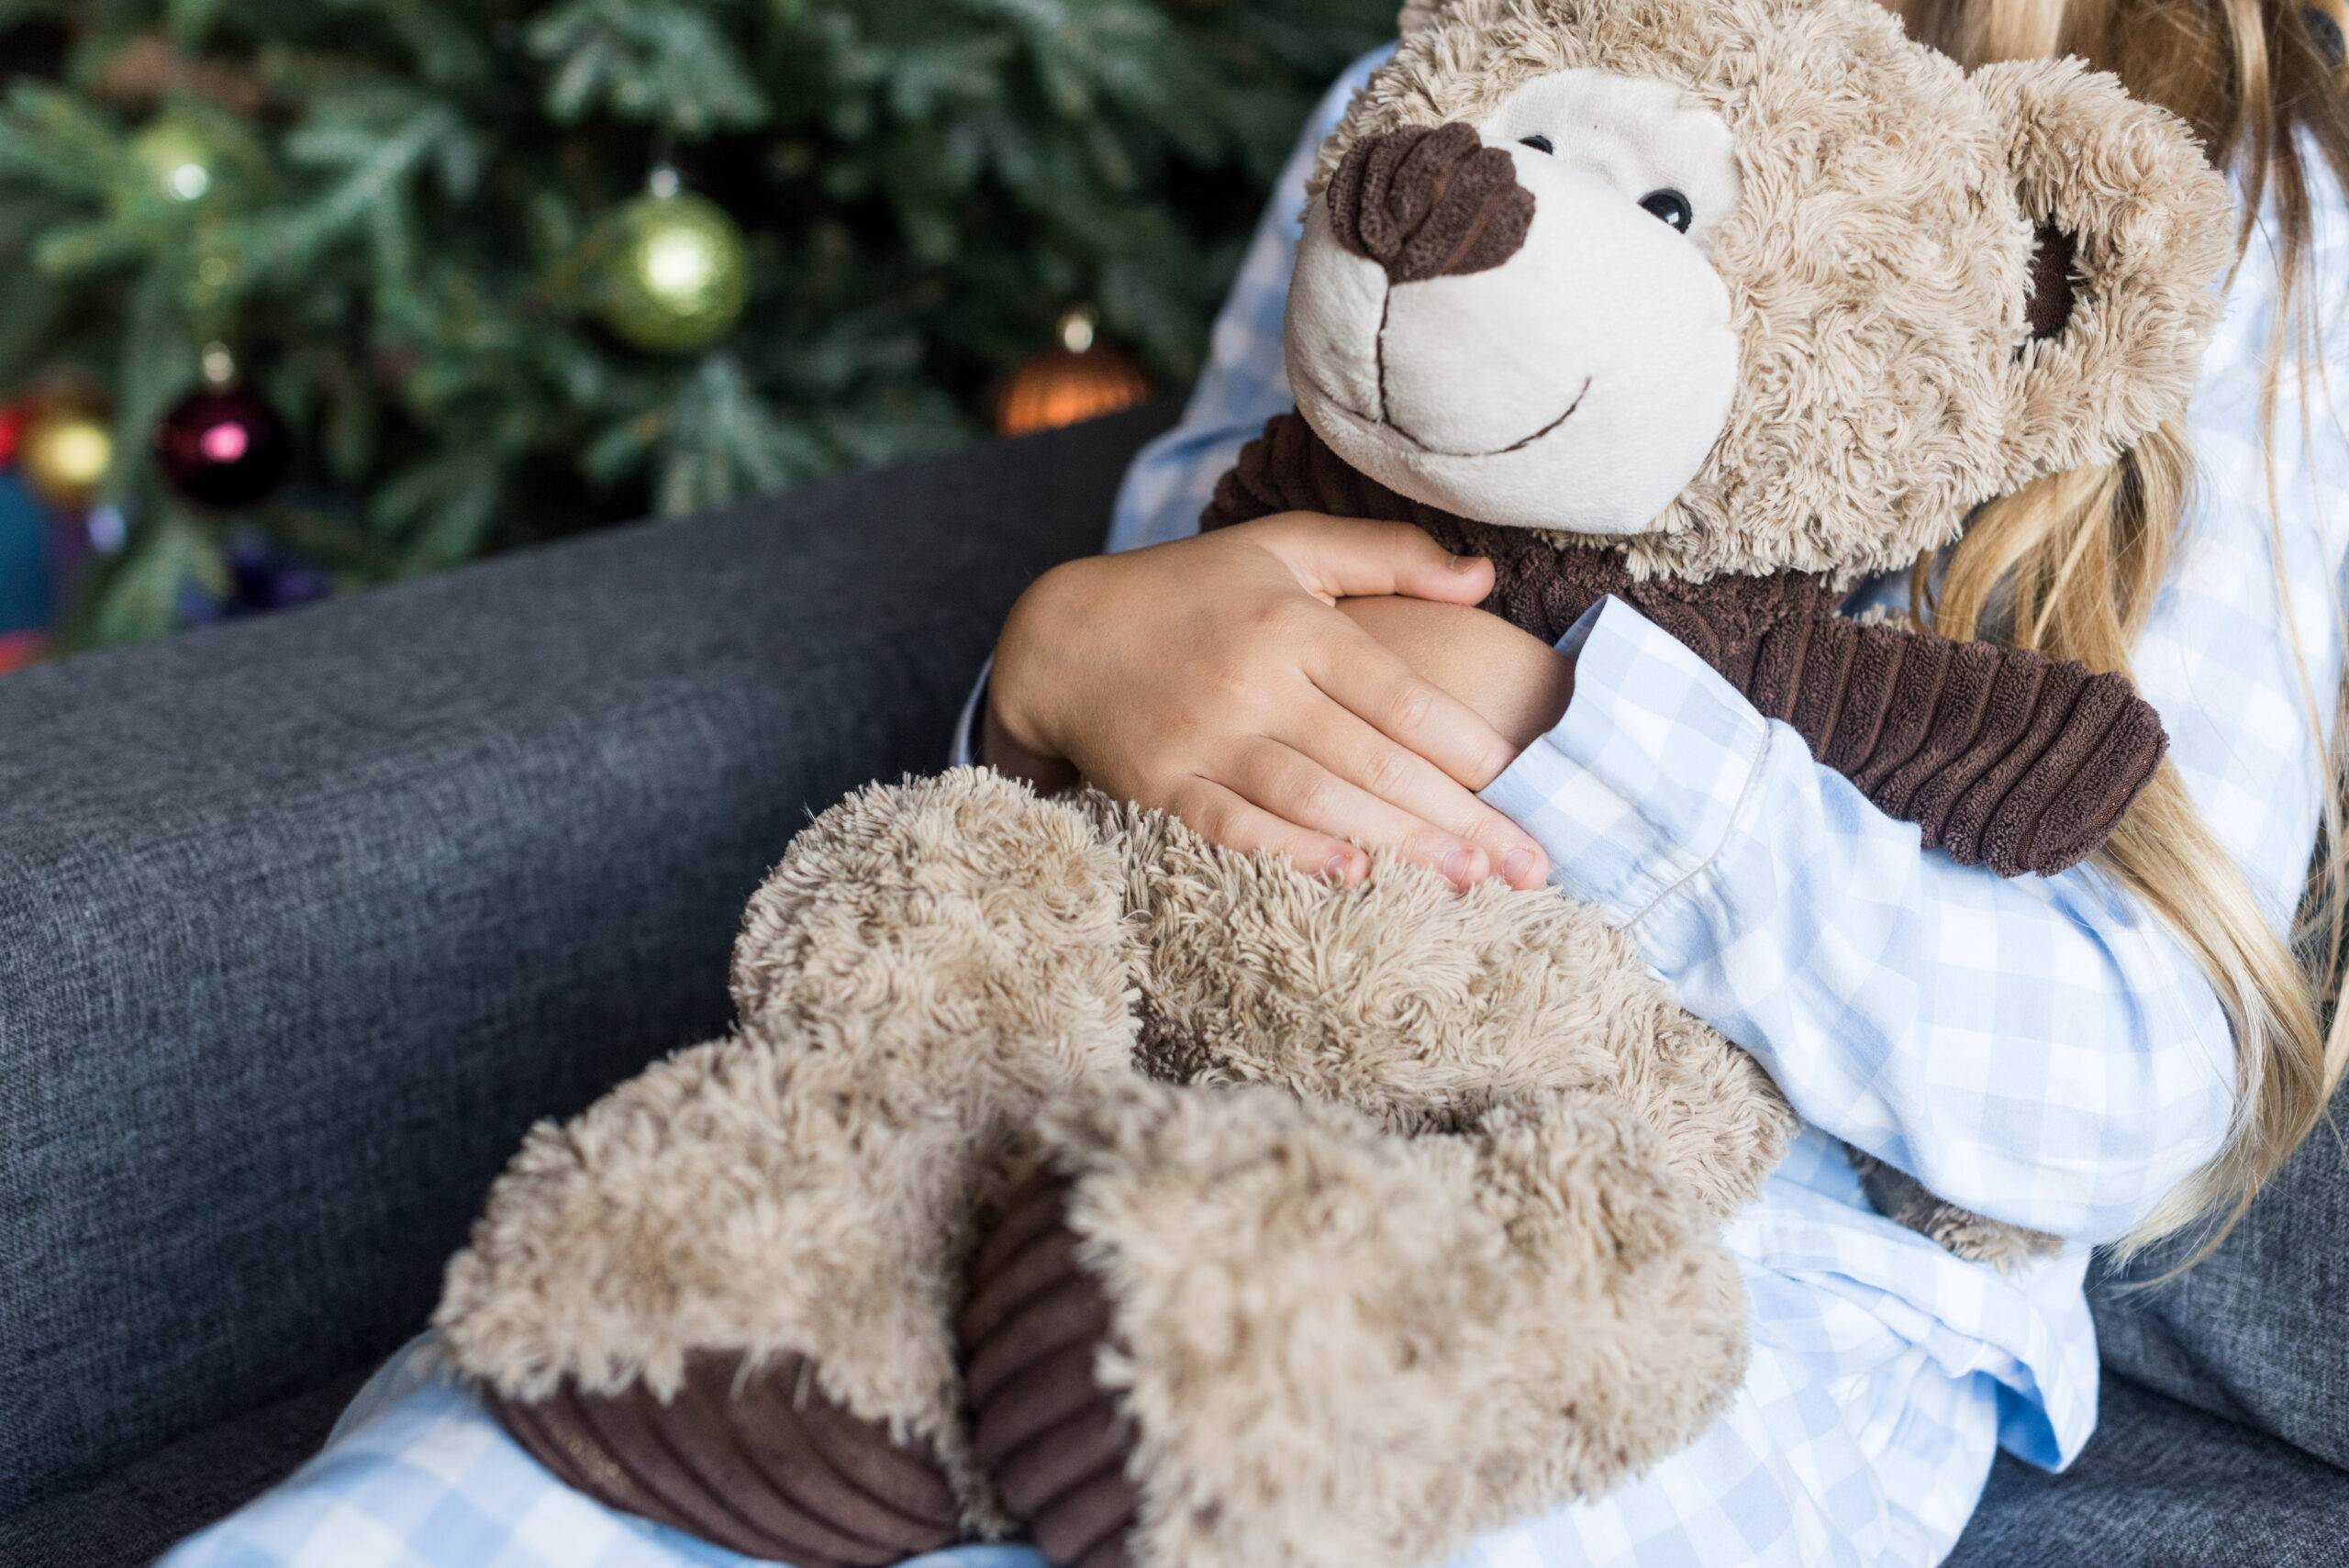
x,y
1422,1006
722,1296
1228,1327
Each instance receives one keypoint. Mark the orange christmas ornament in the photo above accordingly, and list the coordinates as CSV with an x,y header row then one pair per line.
x,y
1076,379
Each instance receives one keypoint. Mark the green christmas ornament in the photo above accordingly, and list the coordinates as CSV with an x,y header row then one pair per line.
x,y
678,272
176,160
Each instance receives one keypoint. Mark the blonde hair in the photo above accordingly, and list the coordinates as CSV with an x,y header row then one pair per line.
x,y
2071,564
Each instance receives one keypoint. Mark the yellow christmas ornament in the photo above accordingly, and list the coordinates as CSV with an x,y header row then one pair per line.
x,y
1077,378
679,273
65,453
177,161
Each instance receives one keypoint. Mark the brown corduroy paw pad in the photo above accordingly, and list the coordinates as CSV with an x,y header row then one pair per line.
x,y
1049,1436
761,1464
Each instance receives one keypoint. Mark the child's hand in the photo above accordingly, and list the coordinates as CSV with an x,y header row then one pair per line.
x,y
1215,678
1510,679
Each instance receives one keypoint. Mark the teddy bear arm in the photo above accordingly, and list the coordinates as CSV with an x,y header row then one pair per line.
x,y
2002,756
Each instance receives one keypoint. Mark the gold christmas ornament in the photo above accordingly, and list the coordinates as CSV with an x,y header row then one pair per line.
x,y
1079,378
65,453
678,272
176,160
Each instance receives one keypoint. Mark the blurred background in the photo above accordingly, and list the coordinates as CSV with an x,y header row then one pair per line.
x,y
300,296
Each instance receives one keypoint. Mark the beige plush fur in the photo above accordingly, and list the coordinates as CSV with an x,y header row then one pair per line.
x,y
1424,1006
1901,1196
1344,1349
944,980
1406,1201
926,967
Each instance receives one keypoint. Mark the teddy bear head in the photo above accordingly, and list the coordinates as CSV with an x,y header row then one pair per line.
x,y
1741,285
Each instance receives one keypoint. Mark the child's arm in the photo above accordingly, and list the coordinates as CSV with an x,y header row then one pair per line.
x,y
2001,756
2040,1051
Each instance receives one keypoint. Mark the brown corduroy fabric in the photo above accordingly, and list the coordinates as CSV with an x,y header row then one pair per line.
x,y
2001,757
754,1463
1050,1435
1429,203
2054,288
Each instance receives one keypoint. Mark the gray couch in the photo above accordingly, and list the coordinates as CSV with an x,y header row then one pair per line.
x,y
302,921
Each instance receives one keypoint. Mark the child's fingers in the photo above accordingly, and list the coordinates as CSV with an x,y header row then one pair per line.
x,y
1294,788
1419,790
1366,679
1348,558
1221,816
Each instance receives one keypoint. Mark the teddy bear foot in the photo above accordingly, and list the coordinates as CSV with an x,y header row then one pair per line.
x,y
1231,1329
723,1298
1049,1433
759,1463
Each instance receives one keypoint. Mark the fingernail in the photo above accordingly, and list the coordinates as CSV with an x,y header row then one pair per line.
x,y
1340,864
1515,864
1464,563
1455,867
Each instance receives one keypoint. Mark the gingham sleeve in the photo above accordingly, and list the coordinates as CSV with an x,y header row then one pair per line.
x,y
2041,1049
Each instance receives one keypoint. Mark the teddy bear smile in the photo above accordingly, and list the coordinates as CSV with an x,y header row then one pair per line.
x,y
1368,422
1519,445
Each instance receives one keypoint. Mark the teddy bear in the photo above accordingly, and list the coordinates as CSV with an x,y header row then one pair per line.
x,y
1069,1176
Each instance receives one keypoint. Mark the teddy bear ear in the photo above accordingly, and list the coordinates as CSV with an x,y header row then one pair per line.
x,y
2133,231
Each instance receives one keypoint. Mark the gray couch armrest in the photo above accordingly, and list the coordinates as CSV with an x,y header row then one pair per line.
x,y
302,921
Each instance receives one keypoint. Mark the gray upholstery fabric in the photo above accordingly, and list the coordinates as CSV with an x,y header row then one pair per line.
x,y
302,921
132,1515
2162,1486
2259,1331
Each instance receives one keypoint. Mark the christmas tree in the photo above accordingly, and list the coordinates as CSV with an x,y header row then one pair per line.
x,y
390,283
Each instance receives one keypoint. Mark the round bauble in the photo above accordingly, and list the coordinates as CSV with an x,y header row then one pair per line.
x,y
677,273
223,446
1076,378
176,160
65,453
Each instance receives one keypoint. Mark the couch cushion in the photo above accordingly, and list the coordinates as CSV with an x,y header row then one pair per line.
x,y
2162,1486
2253,1331
132,1515
304,921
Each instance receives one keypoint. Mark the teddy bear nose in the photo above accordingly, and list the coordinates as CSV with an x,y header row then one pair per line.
x,y
1429,203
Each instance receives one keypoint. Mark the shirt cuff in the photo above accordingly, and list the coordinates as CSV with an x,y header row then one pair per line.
x,y
965,752
1639,784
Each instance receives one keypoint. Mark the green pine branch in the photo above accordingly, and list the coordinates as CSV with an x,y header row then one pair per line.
x,y
400,237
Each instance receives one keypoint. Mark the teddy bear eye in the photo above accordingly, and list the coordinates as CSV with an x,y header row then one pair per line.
x,y
1670,206
1538,143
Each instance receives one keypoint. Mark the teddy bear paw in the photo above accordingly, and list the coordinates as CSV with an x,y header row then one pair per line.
x,y
758,1461
1229,1328
1048,1433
